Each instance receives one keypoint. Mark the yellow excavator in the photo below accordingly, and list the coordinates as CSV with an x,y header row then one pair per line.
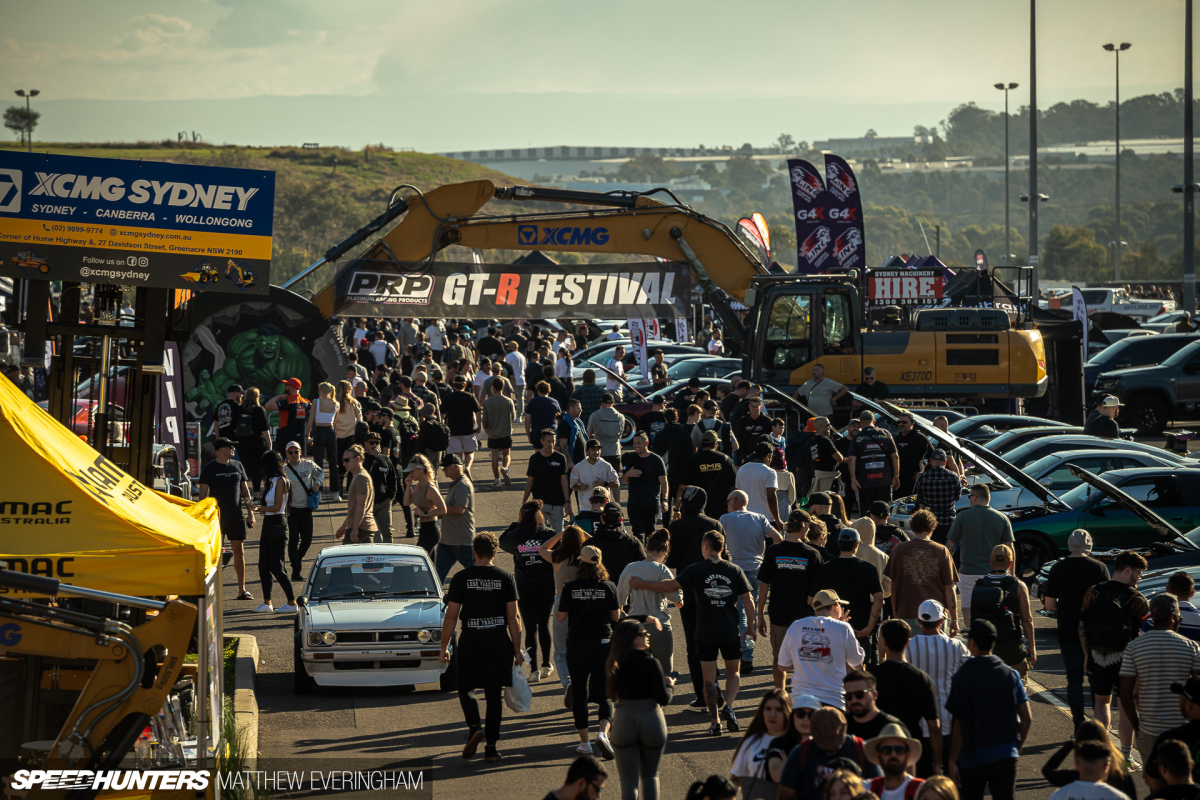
x,y
793,321
127,686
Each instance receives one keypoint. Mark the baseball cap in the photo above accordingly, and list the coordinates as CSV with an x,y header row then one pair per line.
x,y
599,493
235,387
592,443
711,405
611,515
806,701
826,598
799,516
370,405
1163,606
818,499
374,436
450,459
223,442
1080,541
879,508
361,427
849,535
293,382
387,412
659,401
1108,401
606,398
931,611
938,455
710,437
590,554
460,380
414,464
983,632
293,446
1189,689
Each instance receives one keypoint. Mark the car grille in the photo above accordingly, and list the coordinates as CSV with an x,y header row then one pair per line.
x,y
375,637
356,665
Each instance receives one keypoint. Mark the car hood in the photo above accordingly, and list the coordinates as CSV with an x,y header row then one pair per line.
x,y
981,456
1163,528
1129,372
395,612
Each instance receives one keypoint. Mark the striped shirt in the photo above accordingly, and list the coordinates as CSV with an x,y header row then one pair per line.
x,y
1157,659
939,657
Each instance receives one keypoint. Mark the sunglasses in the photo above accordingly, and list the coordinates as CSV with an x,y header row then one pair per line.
x,y
859,695
889,749
348,460
802,713
870,377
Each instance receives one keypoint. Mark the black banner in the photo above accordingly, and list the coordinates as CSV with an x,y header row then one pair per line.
x,y
845,214
814,240
448,289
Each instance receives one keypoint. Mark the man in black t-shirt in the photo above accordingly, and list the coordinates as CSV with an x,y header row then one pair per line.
x,y
226,415
225,481
654,420
858,583
546,480
873,463
646,475
863,717
908,694
489,345
715,586
823,457
462,411
712,471
785,578
749,427
1188,733
912,449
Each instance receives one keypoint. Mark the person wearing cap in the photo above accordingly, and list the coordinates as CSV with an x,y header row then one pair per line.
x,y
785,578
1153,662
872,462
887,535
654,420
829,756
225,481
819,649
710,470
607,425
227,412
1004,601
293,414
907,693
750,427
799,730
939,656
823,456
858,583
1188,733
1183,587
592,473
819,505
591,515
1104,424
458,523
589,606
709,421
974,533
384,483
421,492
306,479
938,489
896,753
992,718
920,570
619,548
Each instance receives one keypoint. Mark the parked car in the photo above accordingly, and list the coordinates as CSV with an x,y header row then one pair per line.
x,y
1164,323
1139,351
984,427
371,615
933,413
1103,298
1026,454
1156,395
602,356
686,366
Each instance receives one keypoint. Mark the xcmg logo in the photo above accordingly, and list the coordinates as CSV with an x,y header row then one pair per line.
x,y
10,190
536,235
10,634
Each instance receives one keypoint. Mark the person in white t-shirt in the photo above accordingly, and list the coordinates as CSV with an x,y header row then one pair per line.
x,y
749,769
715,346
616,365
760,483
818,650
1092,761
615,334
435,335
516,361
820,393
592,472
380,349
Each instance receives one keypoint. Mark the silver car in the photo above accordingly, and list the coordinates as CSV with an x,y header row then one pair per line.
x,y
371,615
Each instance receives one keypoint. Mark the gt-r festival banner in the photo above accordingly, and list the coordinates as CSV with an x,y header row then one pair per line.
x,y
845,214
810,201
104,220
505,291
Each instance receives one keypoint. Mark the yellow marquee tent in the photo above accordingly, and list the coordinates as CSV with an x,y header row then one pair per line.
x,y
68,512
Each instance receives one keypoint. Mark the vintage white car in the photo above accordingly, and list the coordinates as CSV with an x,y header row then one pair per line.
x,y
371,615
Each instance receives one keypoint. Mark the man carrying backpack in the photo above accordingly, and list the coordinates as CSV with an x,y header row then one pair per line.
x,y
727,443
1110,618
1003,600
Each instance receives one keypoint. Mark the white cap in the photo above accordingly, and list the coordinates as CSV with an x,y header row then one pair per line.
x,y
931,611
806,701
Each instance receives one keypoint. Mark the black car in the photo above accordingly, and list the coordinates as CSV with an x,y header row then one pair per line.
x,y
985,427
1134,351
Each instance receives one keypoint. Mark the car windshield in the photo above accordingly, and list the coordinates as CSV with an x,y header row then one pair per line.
x,y
1077,497
368,575
1182,355
958,426
1108,353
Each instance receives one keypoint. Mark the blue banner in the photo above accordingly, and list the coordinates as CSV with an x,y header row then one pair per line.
x,y
810,201
845,214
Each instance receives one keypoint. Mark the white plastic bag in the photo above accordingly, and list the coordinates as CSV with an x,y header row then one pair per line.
x,y
519,697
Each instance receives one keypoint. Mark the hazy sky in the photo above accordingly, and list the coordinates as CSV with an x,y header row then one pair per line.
x,y
457,74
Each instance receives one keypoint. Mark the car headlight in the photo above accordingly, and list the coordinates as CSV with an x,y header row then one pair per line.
x,y
424,636
329,637
316,638
437,635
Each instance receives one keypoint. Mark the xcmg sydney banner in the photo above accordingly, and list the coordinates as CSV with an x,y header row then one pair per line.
x,y
487,291
810,201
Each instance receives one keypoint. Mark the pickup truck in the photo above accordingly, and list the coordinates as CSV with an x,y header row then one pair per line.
x,y
1119,302
1156,395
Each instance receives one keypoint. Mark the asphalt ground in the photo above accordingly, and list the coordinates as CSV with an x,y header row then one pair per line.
x,y
422,728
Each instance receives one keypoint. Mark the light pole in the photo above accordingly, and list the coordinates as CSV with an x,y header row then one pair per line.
x,y
28,114
1033,156
1005,88
1116,50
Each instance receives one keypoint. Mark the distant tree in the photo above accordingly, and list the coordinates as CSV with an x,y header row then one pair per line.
x,y
870,134
20,121
1071,252
785,142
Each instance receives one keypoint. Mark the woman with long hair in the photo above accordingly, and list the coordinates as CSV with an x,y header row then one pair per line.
x,y
252,445
1090,731
563,366
562,553
817,534
635,680
427,502
589,606
715,787
843,785
359,527
799,728
349,414
321,436
272,542
771,721
838,509
535,583
938,787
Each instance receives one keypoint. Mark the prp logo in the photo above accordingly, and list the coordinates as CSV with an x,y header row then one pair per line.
x,y
527,234
392,288
10,634
10,191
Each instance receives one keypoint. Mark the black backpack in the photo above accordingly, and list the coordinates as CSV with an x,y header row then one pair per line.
x,y
245,426
437,436
994,598
1106,621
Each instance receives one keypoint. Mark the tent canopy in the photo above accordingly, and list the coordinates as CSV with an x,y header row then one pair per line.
x,y
68,512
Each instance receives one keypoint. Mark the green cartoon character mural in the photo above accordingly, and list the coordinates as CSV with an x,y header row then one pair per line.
x,y
263,357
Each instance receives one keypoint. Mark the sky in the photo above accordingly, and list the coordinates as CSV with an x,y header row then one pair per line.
x,y
472,74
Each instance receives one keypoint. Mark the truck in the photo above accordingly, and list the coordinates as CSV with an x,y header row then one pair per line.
x,y
1155,395
1118,301
793,321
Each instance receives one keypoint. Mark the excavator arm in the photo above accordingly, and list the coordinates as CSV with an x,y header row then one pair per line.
x,y
621,222
127,686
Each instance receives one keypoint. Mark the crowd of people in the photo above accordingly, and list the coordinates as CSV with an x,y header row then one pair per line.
x,y
898,657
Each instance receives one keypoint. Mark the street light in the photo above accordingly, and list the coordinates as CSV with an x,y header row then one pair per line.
x,y
1005,88
1116,50
28,115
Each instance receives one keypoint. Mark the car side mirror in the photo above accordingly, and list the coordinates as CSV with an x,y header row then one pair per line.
x,y
1047,482
301,601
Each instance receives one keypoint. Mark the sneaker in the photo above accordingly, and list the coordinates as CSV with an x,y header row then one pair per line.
x,y
714,729
698,705
1132,764
546,671
746,668
491,754
534,676
297,577
584,749
506,476
496,484
473,740
731,720
264,608
290,608
605,746
569,696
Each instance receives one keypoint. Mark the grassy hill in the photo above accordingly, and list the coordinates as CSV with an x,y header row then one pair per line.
x,y
321,196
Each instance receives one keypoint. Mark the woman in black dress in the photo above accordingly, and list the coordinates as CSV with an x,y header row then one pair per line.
x,y
535,583
485,597
589,606
253,435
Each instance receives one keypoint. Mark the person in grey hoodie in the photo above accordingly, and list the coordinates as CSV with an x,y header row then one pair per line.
x,y
645,603
606,426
